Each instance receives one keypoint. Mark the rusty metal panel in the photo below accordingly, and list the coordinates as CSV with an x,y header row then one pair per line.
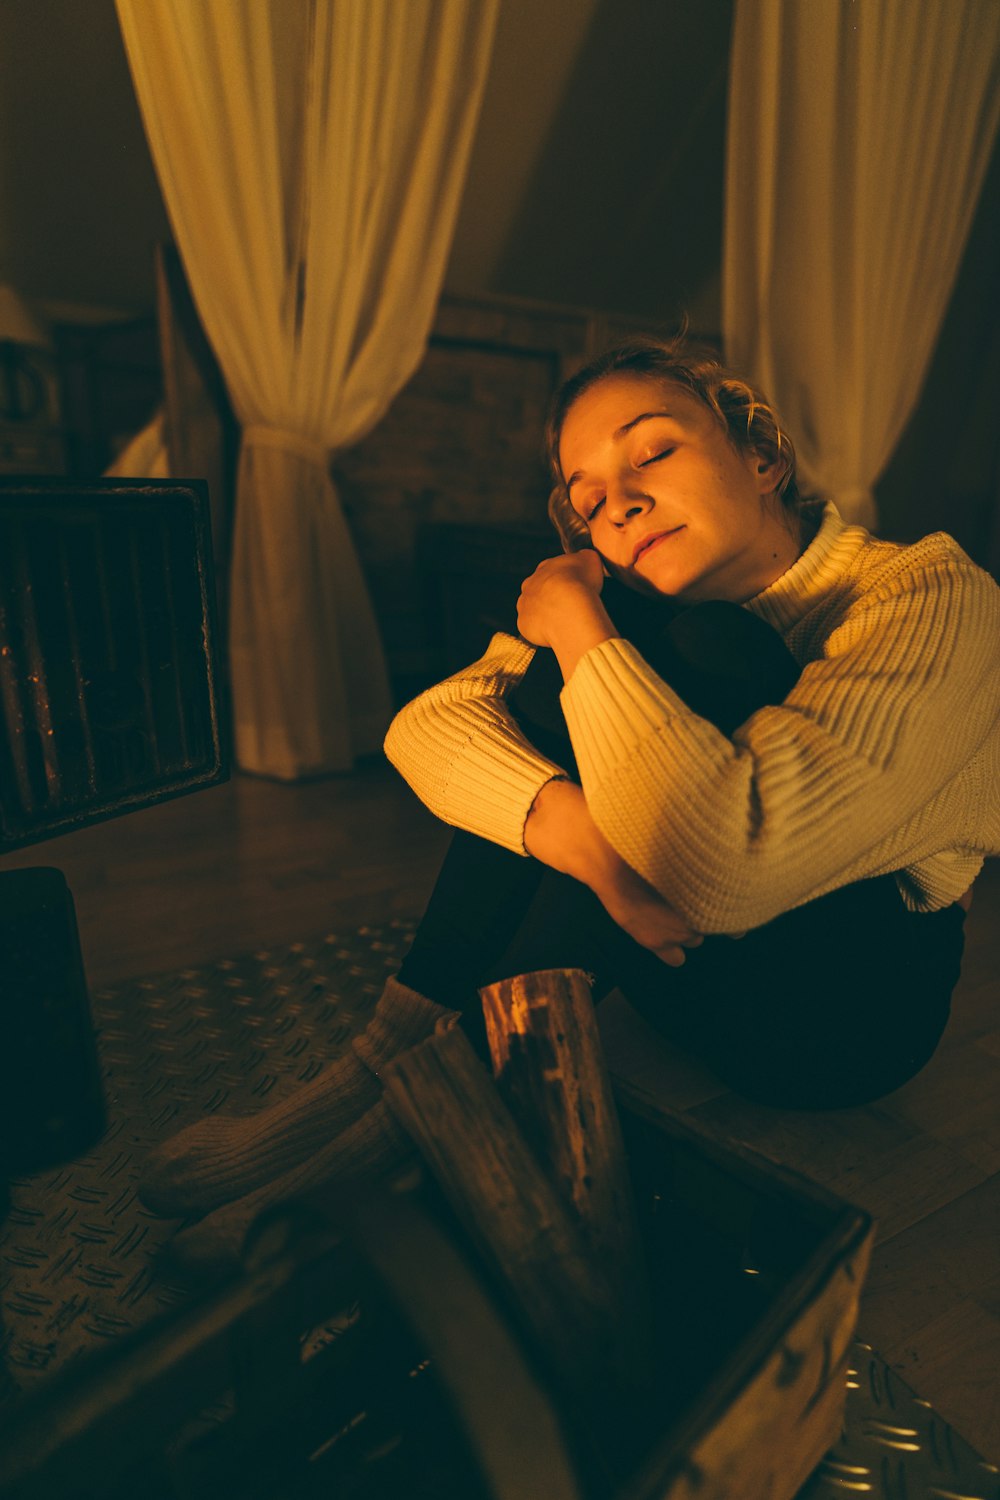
x,y
111,696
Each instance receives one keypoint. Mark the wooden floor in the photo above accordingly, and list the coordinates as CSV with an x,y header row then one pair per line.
x,y
255,863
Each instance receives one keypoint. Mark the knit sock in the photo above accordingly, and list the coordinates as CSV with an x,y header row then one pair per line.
x,y
224,1157
374,1145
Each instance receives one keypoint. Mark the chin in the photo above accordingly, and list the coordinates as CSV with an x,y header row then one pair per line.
x,y
666,584
630,579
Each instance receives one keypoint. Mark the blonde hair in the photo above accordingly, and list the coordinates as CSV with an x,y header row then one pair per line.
x,y
748,417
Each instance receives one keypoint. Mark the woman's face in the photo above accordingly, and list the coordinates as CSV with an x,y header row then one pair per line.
x,y
672,506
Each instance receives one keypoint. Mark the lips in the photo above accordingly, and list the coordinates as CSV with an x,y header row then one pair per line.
x,y
644,543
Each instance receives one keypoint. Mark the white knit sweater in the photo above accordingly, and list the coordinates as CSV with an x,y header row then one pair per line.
x,y
884,757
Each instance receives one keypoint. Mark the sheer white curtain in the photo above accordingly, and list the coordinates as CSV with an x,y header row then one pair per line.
x,y
859,134
145,454
311,155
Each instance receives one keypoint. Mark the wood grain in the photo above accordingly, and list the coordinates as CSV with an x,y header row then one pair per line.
x,y
444,1097
550,1071
945,1360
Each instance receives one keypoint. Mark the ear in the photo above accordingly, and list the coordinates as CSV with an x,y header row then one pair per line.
x,y
767,472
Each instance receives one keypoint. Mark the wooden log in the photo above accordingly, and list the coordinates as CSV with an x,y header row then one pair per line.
x,y
550,1070
509,1418
444,1097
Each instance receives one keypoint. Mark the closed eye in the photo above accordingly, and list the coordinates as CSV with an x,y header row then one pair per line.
x,y
653,459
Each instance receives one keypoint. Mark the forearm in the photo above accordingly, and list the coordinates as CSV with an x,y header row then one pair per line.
x,y
472,768
459,748
579,630
560,833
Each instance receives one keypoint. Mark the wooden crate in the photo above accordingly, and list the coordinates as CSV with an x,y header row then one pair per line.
x,y
369,1360
758,1301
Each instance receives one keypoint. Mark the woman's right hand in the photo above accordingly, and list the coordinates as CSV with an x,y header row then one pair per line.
x,y
562,834
642,912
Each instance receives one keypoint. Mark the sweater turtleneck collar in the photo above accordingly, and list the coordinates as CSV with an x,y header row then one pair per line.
x,y
811,577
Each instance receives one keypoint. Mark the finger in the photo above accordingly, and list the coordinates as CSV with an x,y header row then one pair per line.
x,y
673,956
694,941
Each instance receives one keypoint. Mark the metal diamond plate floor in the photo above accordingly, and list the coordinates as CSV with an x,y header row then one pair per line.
x,y
78,1250
895,1446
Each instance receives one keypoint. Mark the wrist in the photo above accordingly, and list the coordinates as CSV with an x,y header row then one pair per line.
x,y
560,832
579,630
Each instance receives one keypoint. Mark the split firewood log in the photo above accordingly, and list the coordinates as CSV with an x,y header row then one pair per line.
x,y
549,1066
444,1097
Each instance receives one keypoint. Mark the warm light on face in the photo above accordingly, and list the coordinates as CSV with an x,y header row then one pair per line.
x,y
671,504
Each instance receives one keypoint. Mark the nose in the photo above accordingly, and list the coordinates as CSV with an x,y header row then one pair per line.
x,y
625,501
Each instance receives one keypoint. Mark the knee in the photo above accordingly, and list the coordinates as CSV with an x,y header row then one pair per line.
x,y
733,658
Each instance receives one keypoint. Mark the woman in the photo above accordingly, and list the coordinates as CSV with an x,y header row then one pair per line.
x,y
740,761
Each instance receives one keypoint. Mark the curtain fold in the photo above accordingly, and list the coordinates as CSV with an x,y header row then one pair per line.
x,y
311,155
859,134
145,453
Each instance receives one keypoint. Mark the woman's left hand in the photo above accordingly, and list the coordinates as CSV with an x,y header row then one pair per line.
x,y
558,587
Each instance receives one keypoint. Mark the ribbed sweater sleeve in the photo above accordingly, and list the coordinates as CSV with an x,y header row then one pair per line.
x,y
462,753
829,786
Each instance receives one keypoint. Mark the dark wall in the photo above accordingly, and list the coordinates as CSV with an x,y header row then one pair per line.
x,y
945,473
80,209
624,211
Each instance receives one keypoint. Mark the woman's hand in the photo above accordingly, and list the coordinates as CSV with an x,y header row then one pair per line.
x,y
557,587
642,912
560,607
562,834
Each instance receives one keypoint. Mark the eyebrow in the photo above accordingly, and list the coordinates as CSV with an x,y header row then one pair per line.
x,y
619,433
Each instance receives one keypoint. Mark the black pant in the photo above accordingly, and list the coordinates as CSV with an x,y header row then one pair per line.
x,y
827,1006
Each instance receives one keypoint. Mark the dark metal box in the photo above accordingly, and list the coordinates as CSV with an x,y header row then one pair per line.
x,y
111,690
